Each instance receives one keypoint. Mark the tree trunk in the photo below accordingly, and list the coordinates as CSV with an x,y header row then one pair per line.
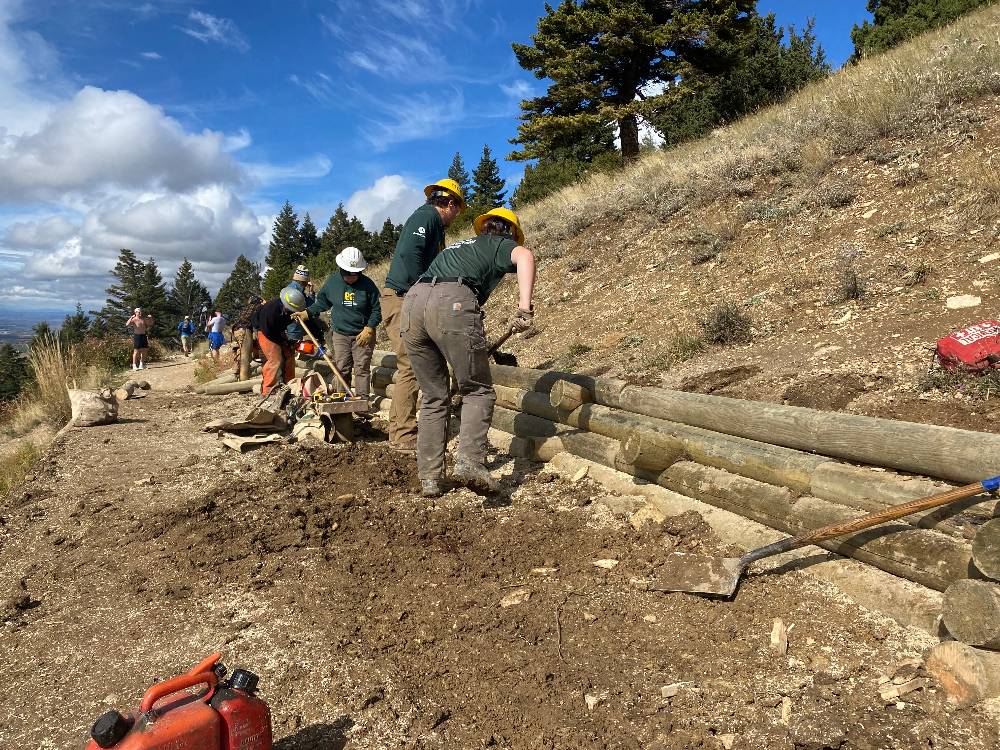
x,y
968,675
972,612
628,128
986,549
246,353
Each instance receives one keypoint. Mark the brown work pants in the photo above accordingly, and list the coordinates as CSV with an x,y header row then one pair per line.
x,y
441,324
279,364
352,358
403,407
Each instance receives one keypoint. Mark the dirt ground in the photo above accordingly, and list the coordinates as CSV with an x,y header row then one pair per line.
x,y
377,619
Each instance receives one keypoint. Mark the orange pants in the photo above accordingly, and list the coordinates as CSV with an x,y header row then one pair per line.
x,y
278,358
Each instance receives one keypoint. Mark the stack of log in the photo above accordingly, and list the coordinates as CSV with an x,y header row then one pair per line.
x,y
788,469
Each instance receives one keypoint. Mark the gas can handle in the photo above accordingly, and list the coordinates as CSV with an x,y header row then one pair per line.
x,y
175,684
207,664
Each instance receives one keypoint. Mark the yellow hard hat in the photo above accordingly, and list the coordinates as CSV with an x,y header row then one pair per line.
x,y
502,213
447,184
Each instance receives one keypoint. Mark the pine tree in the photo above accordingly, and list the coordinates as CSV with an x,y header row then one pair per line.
x,y
40,333
284,251
74,328
308,237
488,187
384,241
187,294
896,21
459,174
13,372
242,282
123,296
153,299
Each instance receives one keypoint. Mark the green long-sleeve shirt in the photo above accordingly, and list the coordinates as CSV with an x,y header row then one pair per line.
x,y
351,306
420,241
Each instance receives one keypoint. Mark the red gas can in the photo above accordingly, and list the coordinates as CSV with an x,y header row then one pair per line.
x,y
246,719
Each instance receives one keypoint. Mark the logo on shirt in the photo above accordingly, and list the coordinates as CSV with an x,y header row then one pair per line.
x,y
421,232
349,300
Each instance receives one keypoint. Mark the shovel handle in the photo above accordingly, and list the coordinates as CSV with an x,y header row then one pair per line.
x,y
500,342
872,519
333,367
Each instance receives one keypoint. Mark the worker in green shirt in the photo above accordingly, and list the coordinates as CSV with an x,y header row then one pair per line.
x,y
442,325
355,312
420,241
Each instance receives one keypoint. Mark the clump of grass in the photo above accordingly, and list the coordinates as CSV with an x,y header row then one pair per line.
x,y
706,245
978,386
850,285
578,349
726,323
890,229
984,183
580,264
54,370
206,369
684,346
16,463
919,274
761,211
838,195
911,175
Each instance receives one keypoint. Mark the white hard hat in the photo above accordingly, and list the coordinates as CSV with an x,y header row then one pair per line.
x,y
351,260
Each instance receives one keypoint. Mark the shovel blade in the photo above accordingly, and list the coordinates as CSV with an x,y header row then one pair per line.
x,y
504,358
699,574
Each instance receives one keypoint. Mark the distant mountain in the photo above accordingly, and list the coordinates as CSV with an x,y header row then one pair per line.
x,y
16,325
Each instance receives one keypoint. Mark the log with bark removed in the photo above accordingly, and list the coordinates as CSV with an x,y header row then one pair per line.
x,y
986,549
971,612
968,675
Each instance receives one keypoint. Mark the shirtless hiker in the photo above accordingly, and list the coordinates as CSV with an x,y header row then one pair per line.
x,y
140,342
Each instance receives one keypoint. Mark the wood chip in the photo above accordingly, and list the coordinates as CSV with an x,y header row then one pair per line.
x,y
649,618
515,597
786,710
607,564
587,617
592,701
580,474
646,514
669,691
544,571
890,693
727,740
779,637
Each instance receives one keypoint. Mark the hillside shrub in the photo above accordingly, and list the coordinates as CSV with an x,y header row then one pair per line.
x,y
726,323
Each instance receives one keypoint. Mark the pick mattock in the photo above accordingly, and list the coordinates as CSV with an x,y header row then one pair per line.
x,y
343,382
719,576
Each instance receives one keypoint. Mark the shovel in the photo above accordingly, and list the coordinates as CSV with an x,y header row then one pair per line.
x,y
720,576
502,358
329,362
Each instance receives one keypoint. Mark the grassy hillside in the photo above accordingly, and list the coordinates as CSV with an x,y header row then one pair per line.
x,y
833,228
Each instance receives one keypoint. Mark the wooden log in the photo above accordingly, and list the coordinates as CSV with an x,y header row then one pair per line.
x,y
568,396
927,557
382,358
986,549
383,376
968,675
246,353
971,611
650,450
945,452
604,390
243,386
907,603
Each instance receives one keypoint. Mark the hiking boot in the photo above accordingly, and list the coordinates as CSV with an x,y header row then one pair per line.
x,y
430,488
473,475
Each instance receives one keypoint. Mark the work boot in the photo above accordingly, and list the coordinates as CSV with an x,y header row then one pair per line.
x,y
473,475
430,488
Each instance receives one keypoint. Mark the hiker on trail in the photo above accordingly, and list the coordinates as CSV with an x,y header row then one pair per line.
x,y
216,338
140,341
421,240
271,320
443,325
355,312
300,280
186,329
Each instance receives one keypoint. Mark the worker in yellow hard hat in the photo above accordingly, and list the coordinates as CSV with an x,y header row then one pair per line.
x,y
420,241
444,327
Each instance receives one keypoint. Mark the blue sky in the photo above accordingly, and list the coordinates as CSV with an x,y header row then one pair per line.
x,y
178,127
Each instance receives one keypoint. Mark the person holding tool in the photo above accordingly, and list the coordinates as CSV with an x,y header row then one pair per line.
x,y
442,325
422,238
355,312
300,280
271,321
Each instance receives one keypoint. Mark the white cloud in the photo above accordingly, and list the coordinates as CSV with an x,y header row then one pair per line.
x,y
389,196
518,90
279,174
414,117
209,28
40,234
152,55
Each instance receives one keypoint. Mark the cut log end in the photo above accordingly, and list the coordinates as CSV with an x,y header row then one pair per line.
x,y
966,674
971,612
569,396
651,452
986,549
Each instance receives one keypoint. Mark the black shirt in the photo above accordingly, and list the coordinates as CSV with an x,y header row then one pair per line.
x,y
272,319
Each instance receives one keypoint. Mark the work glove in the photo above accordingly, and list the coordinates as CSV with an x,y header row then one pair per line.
x,y
366,338
521,320
302,316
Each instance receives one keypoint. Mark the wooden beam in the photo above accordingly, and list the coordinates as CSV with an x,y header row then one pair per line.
x,y
968,675
986,549
246,353
243,386
971,612
649,450
568,396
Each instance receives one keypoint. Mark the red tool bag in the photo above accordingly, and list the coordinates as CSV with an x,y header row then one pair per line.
x,y
972,349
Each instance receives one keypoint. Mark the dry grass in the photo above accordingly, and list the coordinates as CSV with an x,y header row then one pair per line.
x,y
15,463
206,369
54,370
726,323
901,93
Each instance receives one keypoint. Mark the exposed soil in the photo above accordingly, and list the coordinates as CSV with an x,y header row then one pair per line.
x,y
377,619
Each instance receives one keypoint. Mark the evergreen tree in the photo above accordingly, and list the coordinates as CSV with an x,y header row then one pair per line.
x,y
308,237
187,294
896,21
284,251
123,296
243,281
40,333
488,187
13,372
153,299
459,174
385,240
74,328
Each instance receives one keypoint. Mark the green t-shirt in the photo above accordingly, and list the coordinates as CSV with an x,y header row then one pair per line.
x,y
483,260
351,306
421,239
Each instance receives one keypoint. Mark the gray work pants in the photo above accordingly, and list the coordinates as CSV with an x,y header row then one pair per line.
x,y
441,324
351,358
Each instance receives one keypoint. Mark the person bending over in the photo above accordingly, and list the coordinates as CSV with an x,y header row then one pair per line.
x,y
271,320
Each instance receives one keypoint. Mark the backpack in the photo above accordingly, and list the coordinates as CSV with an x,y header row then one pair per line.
x,y
972,349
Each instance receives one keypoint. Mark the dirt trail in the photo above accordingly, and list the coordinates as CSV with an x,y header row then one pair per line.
x,y
377,619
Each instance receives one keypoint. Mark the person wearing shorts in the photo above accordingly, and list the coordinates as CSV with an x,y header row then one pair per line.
x,y
186,329
216,338
140,341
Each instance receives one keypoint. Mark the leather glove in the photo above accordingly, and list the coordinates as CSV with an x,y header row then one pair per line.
x,y
302,316
521,320
366,338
